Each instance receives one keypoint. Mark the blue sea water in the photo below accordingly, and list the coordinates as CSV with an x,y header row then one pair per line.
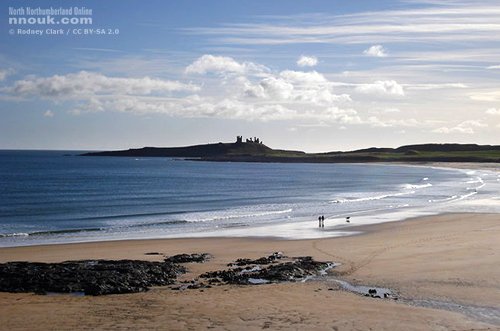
x,y
56,197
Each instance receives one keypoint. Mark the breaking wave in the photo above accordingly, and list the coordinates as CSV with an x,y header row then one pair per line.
x,y
378,197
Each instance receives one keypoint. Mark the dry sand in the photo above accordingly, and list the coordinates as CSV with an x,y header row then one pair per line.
x,y
448,258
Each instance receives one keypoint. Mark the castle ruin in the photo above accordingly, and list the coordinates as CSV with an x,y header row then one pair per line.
x,y
254,140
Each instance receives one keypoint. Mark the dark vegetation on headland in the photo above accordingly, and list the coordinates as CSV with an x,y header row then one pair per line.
x,y
253,150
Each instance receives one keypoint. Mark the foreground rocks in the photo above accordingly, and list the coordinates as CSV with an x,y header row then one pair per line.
x,y
189,258
263,260
94,277
271,269
91,277
100,277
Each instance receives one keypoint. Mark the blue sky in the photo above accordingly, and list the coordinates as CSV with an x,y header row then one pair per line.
x,y
309,75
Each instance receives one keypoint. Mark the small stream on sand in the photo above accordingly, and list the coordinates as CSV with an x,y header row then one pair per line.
x,y
485,314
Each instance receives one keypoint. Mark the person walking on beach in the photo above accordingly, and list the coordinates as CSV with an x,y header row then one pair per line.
x,y
322,221
319,221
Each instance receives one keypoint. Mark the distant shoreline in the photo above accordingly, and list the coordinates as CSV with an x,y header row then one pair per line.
x,y
256,151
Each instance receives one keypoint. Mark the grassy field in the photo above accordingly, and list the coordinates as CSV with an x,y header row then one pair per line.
x,y
271,155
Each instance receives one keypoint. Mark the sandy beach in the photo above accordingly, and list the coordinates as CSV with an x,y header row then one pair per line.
x,y
444,270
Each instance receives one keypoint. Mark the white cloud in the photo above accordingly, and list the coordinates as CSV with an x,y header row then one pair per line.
x,y
277,88
377,122
486,96
434,86
376,50
4,73
89,83
466,127
391,110
454,23
235,109
48,113
307,61
310,88
382,87
210,63
303,77
228,108
222,64
456,56
245,93
342,116
248,93
494,67
493,111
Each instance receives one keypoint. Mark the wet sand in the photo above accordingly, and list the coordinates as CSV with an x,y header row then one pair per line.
x,y
445,270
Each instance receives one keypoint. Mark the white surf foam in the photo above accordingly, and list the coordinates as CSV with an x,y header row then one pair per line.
x,y
416,186
233,214
17,234
378,197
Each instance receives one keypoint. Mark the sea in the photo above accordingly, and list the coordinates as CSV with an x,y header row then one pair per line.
x,y
49,197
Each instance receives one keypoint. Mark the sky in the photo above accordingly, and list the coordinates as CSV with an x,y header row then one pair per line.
x,y
306,75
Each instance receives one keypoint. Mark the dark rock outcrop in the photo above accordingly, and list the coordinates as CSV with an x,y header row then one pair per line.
x,y
91,277
254,273
260,261
189,258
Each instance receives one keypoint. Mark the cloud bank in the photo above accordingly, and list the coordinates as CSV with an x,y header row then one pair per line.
x,y
466,127
93,84
223,87
222,64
